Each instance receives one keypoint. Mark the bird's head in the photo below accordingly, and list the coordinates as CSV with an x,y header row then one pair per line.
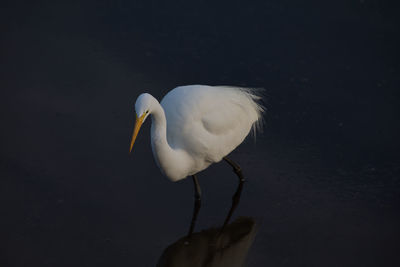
x,y
144,106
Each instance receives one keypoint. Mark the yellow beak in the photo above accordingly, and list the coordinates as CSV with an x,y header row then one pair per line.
x,y
138,124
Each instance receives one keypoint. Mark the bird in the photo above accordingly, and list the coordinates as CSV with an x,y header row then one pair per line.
x,y
195,126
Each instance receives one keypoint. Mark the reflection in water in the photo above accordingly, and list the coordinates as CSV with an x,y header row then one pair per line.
x,y
212,247
224,246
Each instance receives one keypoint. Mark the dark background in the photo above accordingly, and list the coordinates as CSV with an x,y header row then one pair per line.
x,y
323,178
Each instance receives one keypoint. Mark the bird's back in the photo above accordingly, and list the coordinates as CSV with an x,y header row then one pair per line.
x,y
208,122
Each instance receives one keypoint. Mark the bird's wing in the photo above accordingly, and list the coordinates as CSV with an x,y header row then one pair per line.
x,y
208,121
222,116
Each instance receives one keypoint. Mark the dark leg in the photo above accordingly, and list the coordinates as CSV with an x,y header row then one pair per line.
x,y
197,204
235,203
236,196
236,168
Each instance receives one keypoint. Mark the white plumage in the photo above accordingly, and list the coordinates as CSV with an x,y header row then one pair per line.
x,y
197,125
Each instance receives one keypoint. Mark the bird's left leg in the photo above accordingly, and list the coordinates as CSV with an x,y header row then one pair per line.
x,y
197,203
238,193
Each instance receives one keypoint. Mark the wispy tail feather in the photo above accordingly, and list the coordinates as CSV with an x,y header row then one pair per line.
x,y
256,97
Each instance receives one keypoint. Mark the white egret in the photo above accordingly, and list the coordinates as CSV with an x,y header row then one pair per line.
x,y
197,125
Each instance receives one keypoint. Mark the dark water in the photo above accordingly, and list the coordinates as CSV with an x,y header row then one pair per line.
x,y
322,180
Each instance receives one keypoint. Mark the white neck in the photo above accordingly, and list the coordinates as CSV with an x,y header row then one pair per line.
x,y
171,161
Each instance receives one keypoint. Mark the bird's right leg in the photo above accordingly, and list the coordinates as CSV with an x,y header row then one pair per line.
x,y
238,193
197,203
236,168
